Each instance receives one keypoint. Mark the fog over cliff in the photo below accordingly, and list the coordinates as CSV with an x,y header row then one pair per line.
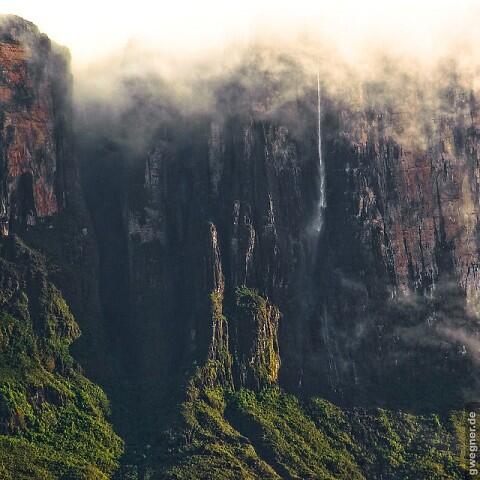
x,y
173,102
249,212
405,108
94,29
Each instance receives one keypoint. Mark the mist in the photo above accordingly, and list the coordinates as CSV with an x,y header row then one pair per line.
x,y
96,30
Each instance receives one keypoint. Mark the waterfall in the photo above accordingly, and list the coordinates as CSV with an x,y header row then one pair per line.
x,y
316,225
311,306
322,200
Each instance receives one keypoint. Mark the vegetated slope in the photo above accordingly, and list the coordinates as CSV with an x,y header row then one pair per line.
x,y
230,431
271,434
52,419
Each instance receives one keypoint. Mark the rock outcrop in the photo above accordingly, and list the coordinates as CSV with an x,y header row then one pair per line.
x,y
35,120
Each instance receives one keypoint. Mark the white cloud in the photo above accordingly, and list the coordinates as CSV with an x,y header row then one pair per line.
x,y
92,29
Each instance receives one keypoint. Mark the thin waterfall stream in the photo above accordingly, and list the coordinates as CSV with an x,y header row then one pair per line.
x,y
322,199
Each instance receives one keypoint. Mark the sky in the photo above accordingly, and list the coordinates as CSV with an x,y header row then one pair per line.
x,y
94,29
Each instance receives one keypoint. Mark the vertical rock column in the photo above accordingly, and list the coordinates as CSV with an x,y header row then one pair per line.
x,y
32,74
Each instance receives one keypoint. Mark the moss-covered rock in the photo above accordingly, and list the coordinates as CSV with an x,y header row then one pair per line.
x,y
53,421
254,342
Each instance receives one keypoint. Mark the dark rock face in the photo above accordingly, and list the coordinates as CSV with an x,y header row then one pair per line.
x,y
216,204
398,305
379,304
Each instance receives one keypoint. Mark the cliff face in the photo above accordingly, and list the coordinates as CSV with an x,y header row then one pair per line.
x,y
212,270
378,303
212,274
420,195
402,248
33,86
209,230
40,193
215,204
47,274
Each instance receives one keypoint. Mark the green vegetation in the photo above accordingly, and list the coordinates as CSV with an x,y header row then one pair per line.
x,y
252,429
218,367
234,423
52,419
254,322
271,435
205,445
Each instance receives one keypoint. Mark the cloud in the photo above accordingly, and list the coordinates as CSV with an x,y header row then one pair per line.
x,y
93,30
